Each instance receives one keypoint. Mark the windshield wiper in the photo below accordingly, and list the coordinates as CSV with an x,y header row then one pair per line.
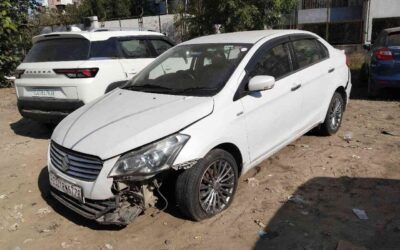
x,y
195,89
148,86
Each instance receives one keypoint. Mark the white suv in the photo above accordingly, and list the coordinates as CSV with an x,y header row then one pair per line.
x,y
66,70
206,111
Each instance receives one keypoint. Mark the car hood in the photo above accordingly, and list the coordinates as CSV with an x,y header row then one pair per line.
x,y
124,120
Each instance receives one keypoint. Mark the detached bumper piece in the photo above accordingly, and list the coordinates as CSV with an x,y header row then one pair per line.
x,y
108,212
47,110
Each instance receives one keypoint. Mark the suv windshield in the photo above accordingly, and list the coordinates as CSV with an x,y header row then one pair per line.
x,y
66,49
196,69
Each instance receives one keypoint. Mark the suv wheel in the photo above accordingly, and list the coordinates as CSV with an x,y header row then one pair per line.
x,y
334,116
207,188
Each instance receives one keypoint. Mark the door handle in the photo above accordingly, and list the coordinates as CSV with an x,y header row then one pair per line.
x,y
295,87
331,70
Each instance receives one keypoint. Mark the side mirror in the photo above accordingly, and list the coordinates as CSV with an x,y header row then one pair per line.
x,y
367,46
261,82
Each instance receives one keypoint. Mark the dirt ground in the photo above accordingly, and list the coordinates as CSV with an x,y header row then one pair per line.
x,y
301,198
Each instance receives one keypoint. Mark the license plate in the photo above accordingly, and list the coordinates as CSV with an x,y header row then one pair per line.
x,y
66,187
43,92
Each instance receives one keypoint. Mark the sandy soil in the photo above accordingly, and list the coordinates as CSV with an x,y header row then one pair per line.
x,y
301,198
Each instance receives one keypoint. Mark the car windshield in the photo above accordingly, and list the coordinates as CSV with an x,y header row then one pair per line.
x,y
196,69
394,39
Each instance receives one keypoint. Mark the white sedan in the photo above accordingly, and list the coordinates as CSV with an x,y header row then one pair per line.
x,y
202,114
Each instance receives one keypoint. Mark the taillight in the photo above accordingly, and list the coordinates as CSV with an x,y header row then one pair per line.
x,y
78,73
19,73
383,54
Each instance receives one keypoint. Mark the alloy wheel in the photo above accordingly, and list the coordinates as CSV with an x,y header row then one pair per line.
x,y
216,186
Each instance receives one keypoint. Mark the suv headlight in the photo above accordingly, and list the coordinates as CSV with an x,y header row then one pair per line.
x,y
150,159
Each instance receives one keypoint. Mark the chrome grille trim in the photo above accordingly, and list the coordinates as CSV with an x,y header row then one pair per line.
x,y
81,166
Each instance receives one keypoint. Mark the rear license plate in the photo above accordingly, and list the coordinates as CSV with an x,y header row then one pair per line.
x,y
43,92
66,187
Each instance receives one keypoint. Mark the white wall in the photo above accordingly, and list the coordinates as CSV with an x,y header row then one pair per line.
x,y
379,9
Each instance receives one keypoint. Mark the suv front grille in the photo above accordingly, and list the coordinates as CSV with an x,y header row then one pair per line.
x,y
81,166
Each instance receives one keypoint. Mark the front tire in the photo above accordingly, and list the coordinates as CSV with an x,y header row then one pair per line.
x,y
207,188
334,116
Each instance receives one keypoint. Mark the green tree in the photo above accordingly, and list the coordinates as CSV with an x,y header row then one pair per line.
x,y
200,16
106,9
15,35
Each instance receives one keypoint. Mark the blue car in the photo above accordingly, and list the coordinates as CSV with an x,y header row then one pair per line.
x,y
383,63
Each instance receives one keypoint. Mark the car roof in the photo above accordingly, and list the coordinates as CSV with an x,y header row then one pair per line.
x,y
392,30
250,37
94,35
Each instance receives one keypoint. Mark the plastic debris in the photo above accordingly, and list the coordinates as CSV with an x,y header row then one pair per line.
x,y
298,199
108,246
385,132
267,234
348,135
259,223
361,214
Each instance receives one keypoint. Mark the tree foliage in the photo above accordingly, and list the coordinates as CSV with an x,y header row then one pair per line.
x,y
199,16
15,34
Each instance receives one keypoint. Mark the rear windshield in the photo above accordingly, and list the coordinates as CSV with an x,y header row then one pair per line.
x,y
66,49
394,39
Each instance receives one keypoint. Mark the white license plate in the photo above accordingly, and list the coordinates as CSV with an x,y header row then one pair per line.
x,y
66,187
43,92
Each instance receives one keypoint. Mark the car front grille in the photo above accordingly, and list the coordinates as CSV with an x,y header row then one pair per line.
x,y
81,166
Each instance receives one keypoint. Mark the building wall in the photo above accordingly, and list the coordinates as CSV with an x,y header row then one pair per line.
x,y
379,9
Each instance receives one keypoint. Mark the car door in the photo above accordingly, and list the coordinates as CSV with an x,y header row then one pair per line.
x,y
315,76
136,54
272,115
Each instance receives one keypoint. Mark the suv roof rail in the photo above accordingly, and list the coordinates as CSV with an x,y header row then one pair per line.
x,y
119,29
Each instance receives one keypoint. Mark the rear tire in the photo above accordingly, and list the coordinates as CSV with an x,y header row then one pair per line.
x,y
207,188
334,116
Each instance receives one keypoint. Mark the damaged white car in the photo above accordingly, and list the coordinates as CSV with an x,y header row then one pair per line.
x,y
205,111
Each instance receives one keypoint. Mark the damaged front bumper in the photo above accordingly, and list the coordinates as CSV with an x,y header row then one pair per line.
x,y
130,198
109,212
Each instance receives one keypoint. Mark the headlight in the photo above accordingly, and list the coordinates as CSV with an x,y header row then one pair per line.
x,y
150,159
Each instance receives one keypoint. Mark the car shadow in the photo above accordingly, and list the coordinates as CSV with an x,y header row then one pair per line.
x,y
44,187
33,129
319,215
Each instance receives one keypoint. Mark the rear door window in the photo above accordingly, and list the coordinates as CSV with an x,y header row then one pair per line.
x,y
135,48
59,49
160,46
103,49
307,52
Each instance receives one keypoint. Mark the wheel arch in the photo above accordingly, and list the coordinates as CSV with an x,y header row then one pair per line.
x,y
341,90
234,151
